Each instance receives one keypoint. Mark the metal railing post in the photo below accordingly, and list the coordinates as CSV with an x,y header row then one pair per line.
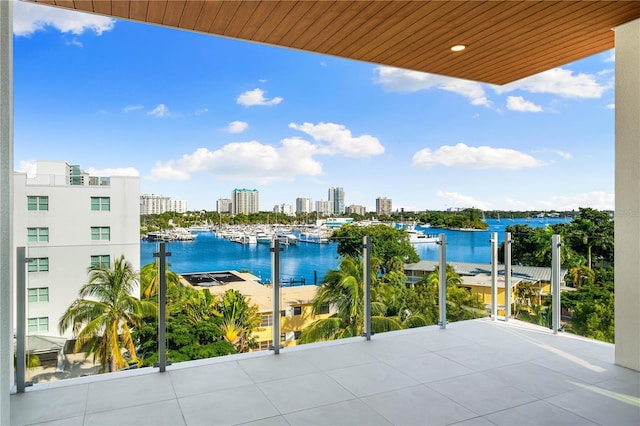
x,y
494,276
507,276
21,319
442,290
555,282
162,254
275,280
366,271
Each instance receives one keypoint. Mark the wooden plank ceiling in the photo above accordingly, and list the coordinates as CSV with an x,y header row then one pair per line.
x,y
507,40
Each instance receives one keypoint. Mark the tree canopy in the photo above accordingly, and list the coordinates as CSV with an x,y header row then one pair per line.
x,y
105,313
389,244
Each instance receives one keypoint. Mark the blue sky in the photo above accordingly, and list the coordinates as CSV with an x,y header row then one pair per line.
x,y
196,116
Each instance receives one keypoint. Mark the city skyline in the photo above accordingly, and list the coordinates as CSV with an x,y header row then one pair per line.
x,y
196,116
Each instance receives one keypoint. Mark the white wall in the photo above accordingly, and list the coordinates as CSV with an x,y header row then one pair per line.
x,y
70,247
627,219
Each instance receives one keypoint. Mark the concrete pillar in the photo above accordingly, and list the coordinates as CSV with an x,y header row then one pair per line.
x,y
627,209
6,204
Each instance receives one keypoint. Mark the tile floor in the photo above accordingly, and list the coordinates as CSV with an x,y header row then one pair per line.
x,y
473,373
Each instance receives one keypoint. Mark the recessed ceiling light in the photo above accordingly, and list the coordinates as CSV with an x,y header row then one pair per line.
x,y
458,47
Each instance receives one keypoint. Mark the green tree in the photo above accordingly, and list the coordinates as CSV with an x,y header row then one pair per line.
x,y
461,303
592,308
390,245
193,329
580,275
105,312
239,318
591,233
343,289
150,279
421,302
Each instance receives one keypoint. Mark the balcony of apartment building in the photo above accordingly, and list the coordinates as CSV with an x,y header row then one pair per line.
x,y
492,370
473,372
484,371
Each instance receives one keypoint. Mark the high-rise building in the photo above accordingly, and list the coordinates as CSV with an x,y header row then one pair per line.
x,y
322,207
244,201
336,200
383,206
285,209
223,206
69,221
158,204
178,206
304,205
356,209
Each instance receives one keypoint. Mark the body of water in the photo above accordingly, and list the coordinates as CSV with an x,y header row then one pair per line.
x,y
309,262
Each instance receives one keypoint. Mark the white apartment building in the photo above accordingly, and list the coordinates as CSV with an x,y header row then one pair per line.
x,y
383,206
68,221
322,207
245,201
158,204
223,206
304,205
178,206
285,209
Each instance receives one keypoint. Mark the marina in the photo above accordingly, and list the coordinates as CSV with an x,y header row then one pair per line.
x,y
215,251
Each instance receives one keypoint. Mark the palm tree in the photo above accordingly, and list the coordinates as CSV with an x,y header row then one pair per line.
x,y
343,289
150,279
105,312
239,319
461,304
581,275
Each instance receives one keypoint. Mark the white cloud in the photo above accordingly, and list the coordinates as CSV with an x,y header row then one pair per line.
x,y
563,154
130,108
167,171
28,167
29,18
597,200
400,80
558,81
262,163
236,127
201,111
256,97
119,171
456,199
514,204
609,56
337,139
251,161
518,103
74,42
611,106
160,111
468,157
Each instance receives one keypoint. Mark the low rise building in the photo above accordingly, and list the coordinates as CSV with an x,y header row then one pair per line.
x,y
296,311
476,277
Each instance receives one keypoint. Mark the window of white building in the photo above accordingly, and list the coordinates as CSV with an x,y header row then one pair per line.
x,y
100,233
38,235
39,294
101,204
37,202
38,264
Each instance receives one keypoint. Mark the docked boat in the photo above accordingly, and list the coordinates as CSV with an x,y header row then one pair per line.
x,y
287,238
417,237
